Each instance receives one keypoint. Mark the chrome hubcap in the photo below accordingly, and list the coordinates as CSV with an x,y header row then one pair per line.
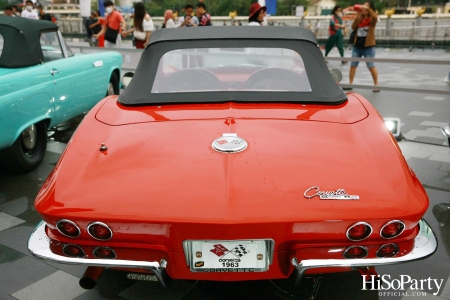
x,y
110,89
29,137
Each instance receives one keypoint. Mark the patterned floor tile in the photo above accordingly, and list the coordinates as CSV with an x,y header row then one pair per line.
x,y
434,98
8,256
50,288
22,273
17,237
445,293
442,157
420,114
7,221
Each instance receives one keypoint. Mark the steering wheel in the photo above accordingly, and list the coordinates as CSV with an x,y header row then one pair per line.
x,y
278,79
192,80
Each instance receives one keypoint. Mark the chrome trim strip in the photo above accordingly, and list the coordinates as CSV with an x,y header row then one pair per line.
x,y
425,244
358,223
351,247
381,230
98,63
39,246
68,221
103,224
62,44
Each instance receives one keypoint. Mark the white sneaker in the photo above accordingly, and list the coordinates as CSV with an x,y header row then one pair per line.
x,y
447,79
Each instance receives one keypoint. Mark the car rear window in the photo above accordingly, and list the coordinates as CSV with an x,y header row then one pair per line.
x,y
231,69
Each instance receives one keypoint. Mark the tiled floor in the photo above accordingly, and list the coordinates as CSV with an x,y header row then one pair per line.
x,y
24,277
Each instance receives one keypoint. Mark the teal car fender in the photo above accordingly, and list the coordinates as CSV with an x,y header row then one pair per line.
x,y
43,83
30,95
24,102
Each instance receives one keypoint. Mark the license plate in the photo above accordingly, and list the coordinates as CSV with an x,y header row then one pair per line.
x,y
229,256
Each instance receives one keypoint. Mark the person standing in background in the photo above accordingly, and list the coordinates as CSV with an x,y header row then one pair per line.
x,y
28,11
364,43
256,14
204,19
188,20
101,39
42,15
9,11
114,24
336,35
143,26
15,10
94,27
168,19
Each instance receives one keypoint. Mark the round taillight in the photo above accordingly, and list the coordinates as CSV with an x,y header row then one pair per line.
x,y
68,228
356,252
100,231
359,231
73,251
388,250
392,229
104,252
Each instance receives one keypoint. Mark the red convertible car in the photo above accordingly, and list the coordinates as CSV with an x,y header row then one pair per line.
x,y
232,155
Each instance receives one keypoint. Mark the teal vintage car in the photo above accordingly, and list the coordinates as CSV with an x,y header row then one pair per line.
x,y
43,83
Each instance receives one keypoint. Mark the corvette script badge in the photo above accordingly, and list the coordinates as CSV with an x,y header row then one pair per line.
x,y
339,194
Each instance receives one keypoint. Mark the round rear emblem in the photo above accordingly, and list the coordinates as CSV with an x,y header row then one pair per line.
x,y
230,143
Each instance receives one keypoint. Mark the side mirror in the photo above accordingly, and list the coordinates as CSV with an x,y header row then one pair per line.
x,y
337,75
126,79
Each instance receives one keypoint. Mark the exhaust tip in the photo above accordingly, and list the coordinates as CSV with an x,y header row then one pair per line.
x,y
87,283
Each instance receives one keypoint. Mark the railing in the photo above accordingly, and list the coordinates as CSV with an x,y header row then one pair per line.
x,y
404,27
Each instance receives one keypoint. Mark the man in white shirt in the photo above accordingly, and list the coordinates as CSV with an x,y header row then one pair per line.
x,y
188,20
28,12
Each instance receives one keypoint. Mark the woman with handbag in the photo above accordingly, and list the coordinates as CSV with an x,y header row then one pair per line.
x,y
114,23
143,26
364,41
336,32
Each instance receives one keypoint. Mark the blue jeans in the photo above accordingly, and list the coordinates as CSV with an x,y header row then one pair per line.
x,y
366,52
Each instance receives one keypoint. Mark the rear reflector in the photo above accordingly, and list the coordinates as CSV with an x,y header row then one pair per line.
x,y
68,228
73,251
392,229
104,252
100,231
388,250
359,231
356,252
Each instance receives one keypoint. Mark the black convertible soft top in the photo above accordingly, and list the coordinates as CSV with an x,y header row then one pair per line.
x,y
235,32
323,88
21,41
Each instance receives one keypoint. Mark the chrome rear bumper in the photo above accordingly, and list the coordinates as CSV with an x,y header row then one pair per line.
x,y
39,246
425,244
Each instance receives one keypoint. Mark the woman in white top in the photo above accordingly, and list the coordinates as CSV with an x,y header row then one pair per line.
x,y
143,26
168,19
256,14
